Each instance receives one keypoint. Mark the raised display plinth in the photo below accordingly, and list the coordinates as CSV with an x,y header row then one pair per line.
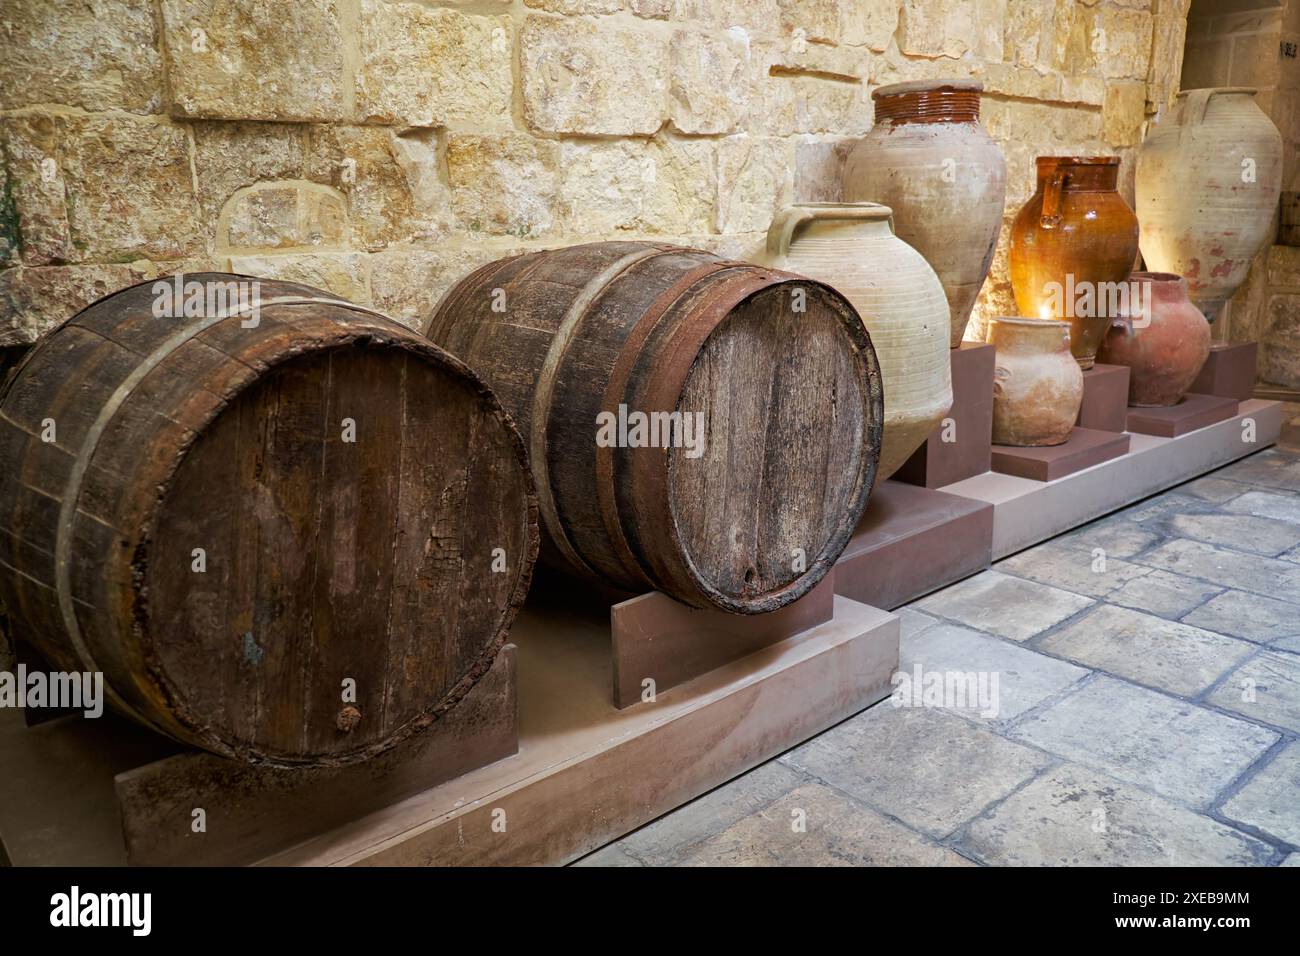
x,y
1229,372
585,772
912,541
1027,511
959,448
1084,448
1193,412
1105,398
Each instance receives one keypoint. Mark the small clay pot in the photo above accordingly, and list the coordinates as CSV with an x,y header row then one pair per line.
x,y
1162,338
1037,384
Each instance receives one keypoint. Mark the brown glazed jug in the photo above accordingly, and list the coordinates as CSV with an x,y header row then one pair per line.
x,y
929,160
1037,384
1072,246
1163,339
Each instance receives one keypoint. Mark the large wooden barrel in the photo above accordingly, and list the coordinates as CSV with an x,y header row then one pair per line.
x,y
292,535
777,369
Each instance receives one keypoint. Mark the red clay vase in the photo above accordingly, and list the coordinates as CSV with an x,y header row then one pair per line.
x,y
1163,339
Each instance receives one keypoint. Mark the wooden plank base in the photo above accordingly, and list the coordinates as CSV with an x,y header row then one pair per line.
x,y
1229,372
912,541
1105,398
657,639
969,430
1084,448
1193,412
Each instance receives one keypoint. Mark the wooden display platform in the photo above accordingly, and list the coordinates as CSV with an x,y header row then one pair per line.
x,y
912,541
585,772
1027,511
1105,398
1084,448
1193,412
1229,372
965,453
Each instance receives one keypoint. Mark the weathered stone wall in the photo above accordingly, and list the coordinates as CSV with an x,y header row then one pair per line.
x,y
1241,43
382,148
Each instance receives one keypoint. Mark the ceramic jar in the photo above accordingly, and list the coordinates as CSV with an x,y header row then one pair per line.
x,y
852,247
929,160
1162,338
1072,244
1208,178
1037,384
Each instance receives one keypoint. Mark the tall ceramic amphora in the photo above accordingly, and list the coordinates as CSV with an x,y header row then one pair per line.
x,y
1208,178
929,160
1072,246
852,247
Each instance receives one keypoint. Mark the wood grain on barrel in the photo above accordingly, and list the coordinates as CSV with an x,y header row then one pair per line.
x,y
327,559
779,368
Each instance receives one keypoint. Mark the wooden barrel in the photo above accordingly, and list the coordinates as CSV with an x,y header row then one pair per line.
x,y
776,372
293,533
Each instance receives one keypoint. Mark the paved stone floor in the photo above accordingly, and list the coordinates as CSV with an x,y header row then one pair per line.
x,y
1147,709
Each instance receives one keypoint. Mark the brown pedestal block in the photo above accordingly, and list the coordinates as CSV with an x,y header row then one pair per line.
x,y
912,541
1193,412
1086,447
1105,398
1229,372
965,453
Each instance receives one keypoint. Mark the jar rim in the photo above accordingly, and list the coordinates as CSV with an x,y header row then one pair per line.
x,y
1025,321
928,86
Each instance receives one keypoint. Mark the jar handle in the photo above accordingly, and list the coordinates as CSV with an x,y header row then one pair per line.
x,y
782,230
786,222
1198,101
1056,183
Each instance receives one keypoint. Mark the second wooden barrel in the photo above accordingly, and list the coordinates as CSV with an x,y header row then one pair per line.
x,y
706,428
284,528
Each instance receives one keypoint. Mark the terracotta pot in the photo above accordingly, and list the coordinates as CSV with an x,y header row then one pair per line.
x,y
1037,384
1208,178
1072,244
929,160
1162,338
852,247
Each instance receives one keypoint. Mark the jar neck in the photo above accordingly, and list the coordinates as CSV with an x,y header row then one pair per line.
x,y
825,228
1029,336
929,106
1080,177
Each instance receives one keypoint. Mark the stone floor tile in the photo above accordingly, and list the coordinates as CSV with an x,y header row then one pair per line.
x,y
1291,644
1177,749
912,621
815,826
1252,616
1242,532
1118,538
1153,509
1247,572
1213,489
930,769
1266,688
612,855
1270,468
1081,572
1293,556
1270,800
1267,504
671,837
1292,860
1163,594
1006,605
1019,678
1074,816
1175,657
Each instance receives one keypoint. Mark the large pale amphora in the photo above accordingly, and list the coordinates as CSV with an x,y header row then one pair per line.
x,y
1208,178
852,247
928,159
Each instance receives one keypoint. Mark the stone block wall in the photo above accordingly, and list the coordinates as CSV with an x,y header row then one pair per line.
x,y
383,148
